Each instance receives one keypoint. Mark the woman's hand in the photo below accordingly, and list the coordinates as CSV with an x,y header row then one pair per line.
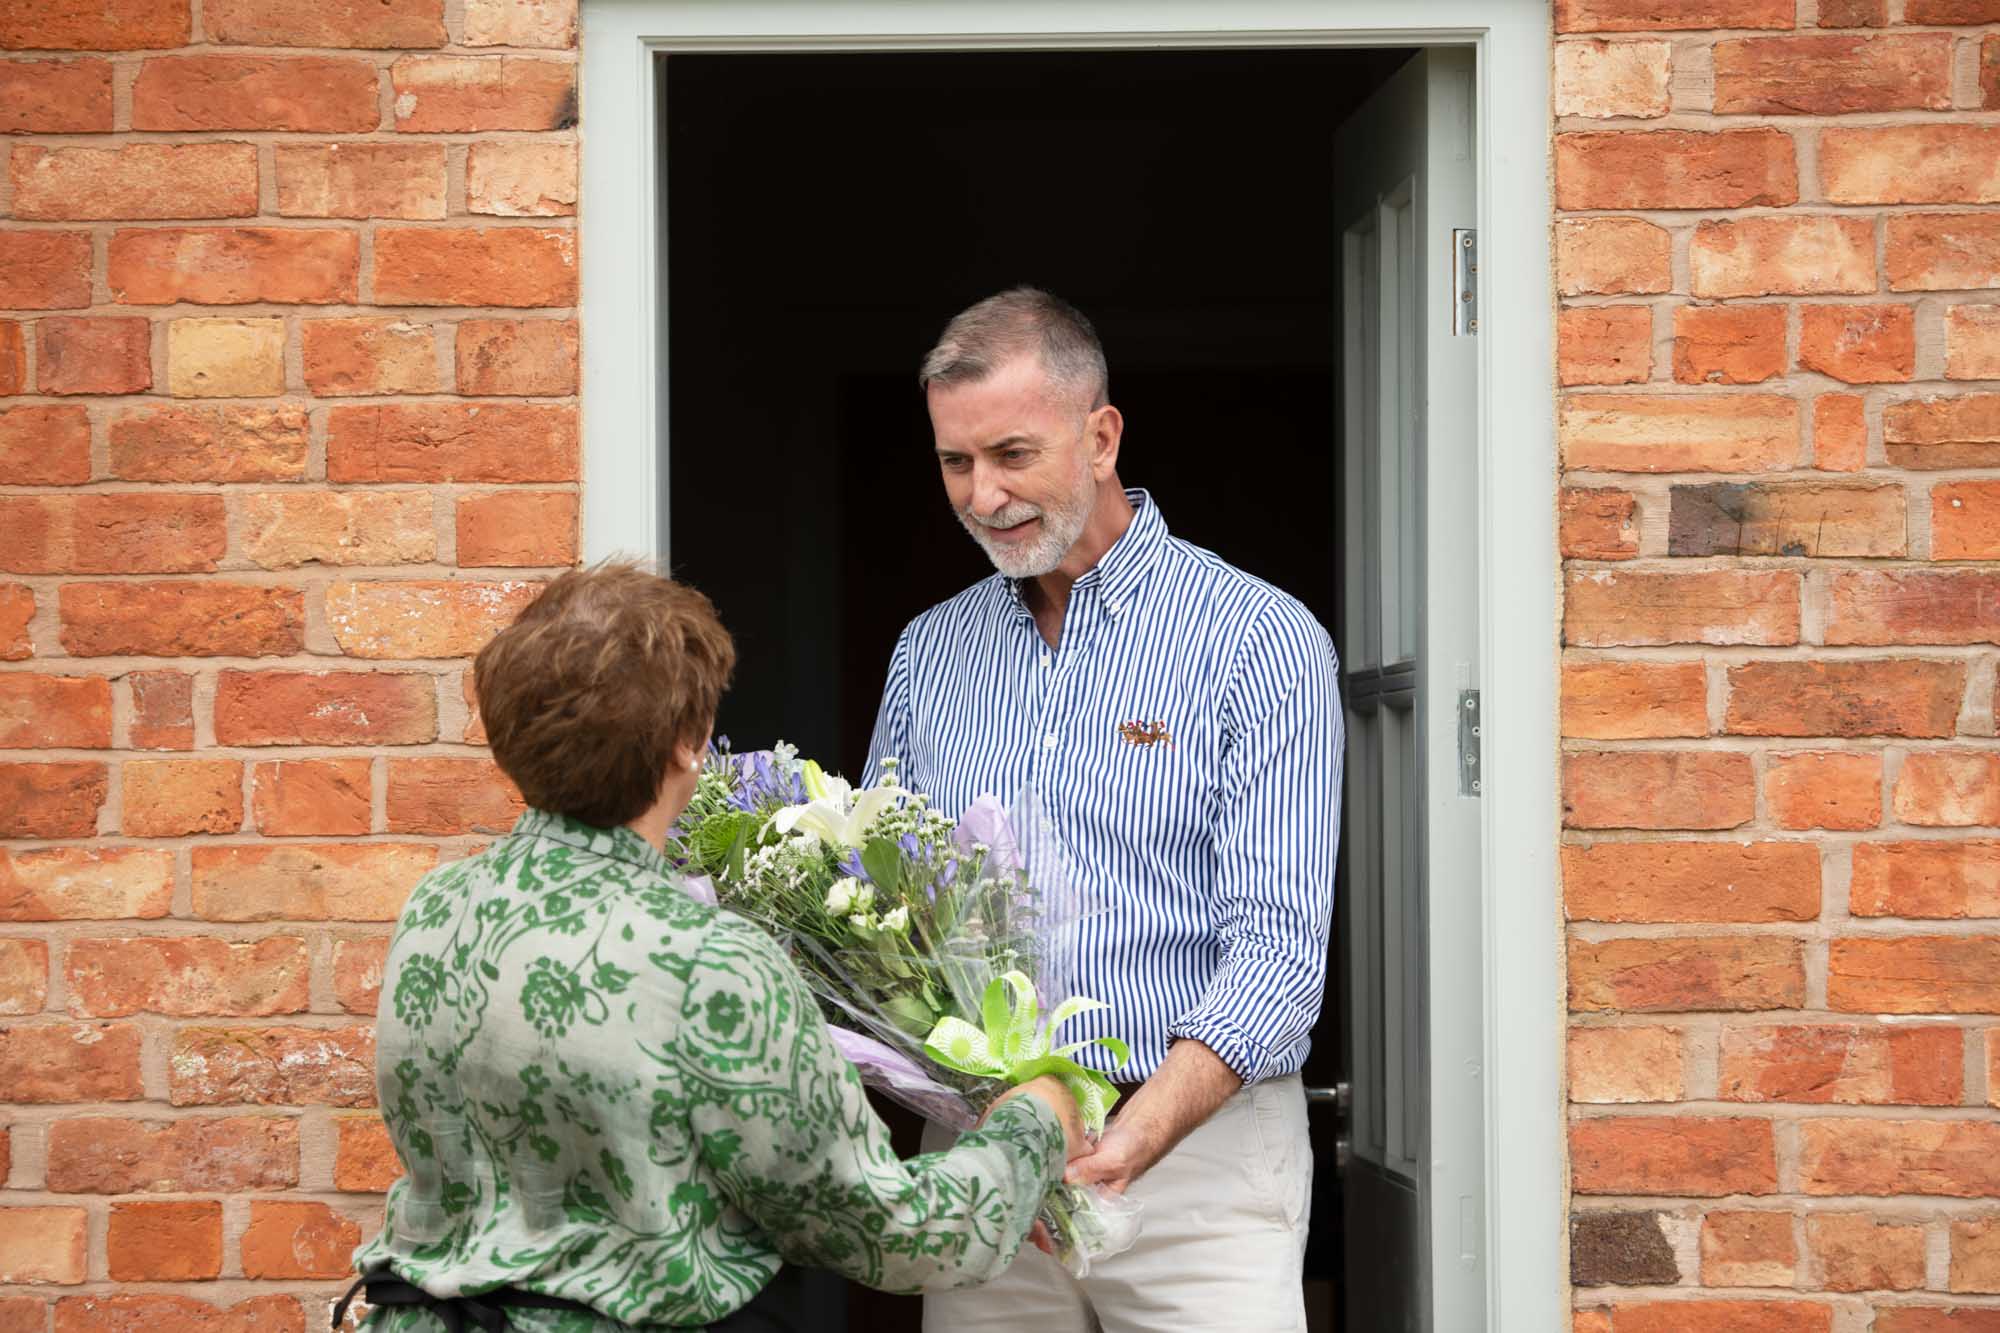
x,y
1050,1091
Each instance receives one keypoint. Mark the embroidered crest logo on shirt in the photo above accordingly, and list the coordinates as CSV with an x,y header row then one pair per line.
x,y
1145,733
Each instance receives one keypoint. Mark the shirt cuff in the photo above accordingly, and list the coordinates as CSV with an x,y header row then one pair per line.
x,y
1037,1124
1231,1044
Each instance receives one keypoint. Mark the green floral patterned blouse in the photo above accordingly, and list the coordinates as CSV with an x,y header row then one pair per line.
x,y
604,1090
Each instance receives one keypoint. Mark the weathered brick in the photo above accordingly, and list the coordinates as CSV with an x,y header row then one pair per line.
x,y
1949,788
1615,1247
1930,433
212,92
1657,789
483,266
292,1066
1840,433
227,1154
13,357
44,445
1847,1063
1972,342
1918,608
316,797
112,534
475,729
456,94
246,442
1745,1248
17,608
180,619
1831,76
59,800
546,23
1728,344
1943,13
234,266
1930,252
1861,1252
1658,15
178,1314
370,24
1691,1156
1965,521
447,796
284,531
428,442
1926,879
1625,1064
1691,881
55,97
1604,80
1744,1316
225,358
517,356
521,180
1781,254
79,884
94,25
325,708
1806,519
57,712
1679,433
288,1239
1676,975
162,710
71,1062
1861,344
1612,257
1633,700
1975,1255
44,1245
1911,164
167,798
370,356
1918,974
517,528
1675,169
1598,523
44,270
1955,1159
1989,71
142,180
422,619
1902,697
165,1242
24,982
79,354
187,978
361,180
1826,789
1619,608
364,1159
306,882
1605,345
357,973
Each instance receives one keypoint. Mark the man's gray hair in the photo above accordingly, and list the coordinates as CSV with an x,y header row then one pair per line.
x,y
981,338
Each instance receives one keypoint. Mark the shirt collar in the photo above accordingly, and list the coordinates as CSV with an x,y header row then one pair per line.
x,y
1121,571
620,844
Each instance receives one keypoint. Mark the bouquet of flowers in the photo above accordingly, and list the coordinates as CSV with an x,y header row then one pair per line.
x,y
929,942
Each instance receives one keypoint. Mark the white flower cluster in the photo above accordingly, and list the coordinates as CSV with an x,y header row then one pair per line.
x,y
854,900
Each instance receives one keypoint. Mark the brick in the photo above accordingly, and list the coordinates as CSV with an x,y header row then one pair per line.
x,y
1945,974
1747,1248
79,884
1604,80
1989,72
364,1159
55,97
1931,433
458,94
517,528
370,24
44,445
369,356
1605,345
1917,608
1728,344
76,354
521,180
44,270
177,1314
1737,973
44,1245
1954,1159
1750,1316
284,531
1675,169
1598,523
1859,344
17,608
1965,521
1911,164
1972,342
357,973
479,266
1657,789
112,534
1801,255
1831,76
162,710
1936,1319
166,798
1612,257
227,1154
325,708
1625,1064
94,25
1606,608
430,442
1820,1063
56,712
23,1314
1928,252
216,92
1975,1255
51,800
187,978
1620,1248
295,1066
1949,788
475,730
1853,14
448,796
1840,433
1609,701
317,797
1691,881
13,358
361,180
307,882
1770,518
1860,1252
24,981
1926,879
143,180
1689,1156
1907,697
422,619
234,266
1679,433
165,1242
71,1062
288,1239
1943,13
517,356
547,23
1658,15
248,442
180,619
225,358
1824,790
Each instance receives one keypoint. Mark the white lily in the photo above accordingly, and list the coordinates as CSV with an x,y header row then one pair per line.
x,y
836,813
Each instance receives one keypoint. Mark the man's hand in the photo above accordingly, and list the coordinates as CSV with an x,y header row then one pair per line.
x,y
1186,1090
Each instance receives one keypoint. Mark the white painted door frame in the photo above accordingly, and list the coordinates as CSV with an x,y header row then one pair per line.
x,y
624,337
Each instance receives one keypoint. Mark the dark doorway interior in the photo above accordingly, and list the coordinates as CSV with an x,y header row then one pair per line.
x,y
829,212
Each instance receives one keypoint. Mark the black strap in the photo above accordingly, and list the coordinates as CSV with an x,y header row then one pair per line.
x,y
486,1312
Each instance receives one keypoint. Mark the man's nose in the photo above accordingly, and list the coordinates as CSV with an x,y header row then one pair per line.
x,y
989,493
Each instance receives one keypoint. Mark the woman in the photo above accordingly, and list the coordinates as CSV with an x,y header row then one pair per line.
x,y
618,1108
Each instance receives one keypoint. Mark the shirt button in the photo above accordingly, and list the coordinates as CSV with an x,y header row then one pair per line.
x,y
1049,741
1047,661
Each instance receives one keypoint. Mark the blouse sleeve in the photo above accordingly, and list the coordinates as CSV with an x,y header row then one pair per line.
x,y
781,1123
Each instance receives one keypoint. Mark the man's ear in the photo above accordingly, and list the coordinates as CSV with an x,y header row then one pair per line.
x,y
1105,427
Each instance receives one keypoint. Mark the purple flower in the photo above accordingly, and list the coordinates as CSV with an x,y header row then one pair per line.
x,y
985,820
850,864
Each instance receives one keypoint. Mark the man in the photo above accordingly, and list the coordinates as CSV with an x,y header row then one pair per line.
x,y
1175,725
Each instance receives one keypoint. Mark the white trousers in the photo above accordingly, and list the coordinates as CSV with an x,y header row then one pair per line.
x,y
1221,1243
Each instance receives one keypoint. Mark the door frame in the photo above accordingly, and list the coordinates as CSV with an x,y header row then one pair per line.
x,y
624,330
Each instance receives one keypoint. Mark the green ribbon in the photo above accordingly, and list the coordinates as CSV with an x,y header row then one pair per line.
x,y
1012,1045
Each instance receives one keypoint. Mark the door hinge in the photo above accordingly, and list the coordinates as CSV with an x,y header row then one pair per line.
x,y
1464,281
1468,743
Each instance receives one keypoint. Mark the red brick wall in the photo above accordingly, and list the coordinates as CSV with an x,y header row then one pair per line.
x,y
1776,249
288,359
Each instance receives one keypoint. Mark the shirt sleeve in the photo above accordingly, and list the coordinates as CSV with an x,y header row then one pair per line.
x,y
782,1126
892,719
1277,834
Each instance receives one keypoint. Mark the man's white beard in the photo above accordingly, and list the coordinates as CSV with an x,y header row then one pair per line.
x,y
1062,526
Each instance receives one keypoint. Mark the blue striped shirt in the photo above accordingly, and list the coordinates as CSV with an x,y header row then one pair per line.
x,y
1212,854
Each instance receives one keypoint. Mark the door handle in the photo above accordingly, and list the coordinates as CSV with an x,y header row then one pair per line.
x,y
1340,1096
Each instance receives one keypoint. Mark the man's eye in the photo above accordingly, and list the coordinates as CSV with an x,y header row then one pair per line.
x,y
1016,455
953,464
